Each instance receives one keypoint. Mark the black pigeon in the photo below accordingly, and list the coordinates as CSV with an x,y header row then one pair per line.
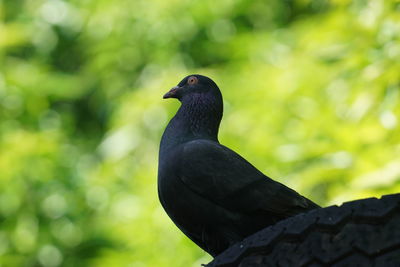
x,y
211,193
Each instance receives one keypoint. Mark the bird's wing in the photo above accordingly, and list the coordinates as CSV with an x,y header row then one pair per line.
x,y
222,176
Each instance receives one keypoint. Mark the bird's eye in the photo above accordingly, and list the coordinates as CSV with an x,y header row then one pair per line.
x,y
192,80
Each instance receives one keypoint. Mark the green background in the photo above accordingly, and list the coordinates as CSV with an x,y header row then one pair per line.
x,y
311,90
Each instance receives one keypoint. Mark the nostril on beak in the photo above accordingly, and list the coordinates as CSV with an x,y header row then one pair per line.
x,y
171,93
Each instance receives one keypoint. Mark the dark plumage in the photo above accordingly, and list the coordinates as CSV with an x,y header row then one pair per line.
x,y
211,193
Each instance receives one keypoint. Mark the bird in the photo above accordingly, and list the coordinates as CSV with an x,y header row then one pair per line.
x,y
212,194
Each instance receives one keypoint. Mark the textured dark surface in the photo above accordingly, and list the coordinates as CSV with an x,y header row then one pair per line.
x,y
359,233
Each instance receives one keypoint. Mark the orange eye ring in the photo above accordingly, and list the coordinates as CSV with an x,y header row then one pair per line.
x,y
192,80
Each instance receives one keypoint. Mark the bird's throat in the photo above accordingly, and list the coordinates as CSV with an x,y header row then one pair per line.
x,y
197,118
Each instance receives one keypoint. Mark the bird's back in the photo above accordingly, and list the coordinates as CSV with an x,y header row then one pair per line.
x,y
217,198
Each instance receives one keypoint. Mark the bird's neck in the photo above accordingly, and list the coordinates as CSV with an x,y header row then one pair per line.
x,y
197,118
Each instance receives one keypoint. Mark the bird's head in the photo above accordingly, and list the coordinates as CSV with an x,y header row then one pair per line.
x,y
201,111
194,86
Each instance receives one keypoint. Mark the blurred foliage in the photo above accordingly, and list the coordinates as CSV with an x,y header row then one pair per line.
x,y
311,92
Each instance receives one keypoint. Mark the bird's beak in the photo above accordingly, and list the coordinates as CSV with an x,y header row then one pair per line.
x,y
172,93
